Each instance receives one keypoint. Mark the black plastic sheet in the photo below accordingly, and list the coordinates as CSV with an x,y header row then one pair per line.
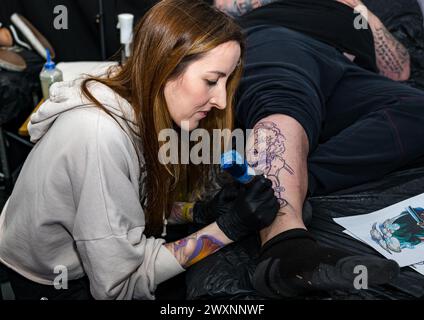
x,y
227,274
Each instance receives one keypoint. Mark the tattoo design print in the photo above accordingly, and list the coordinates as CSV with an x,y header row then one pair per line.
x,y
266,155
404,231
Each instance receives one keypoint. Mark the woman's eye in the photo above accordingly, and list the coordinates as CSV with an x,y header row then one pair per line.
x,y
211,83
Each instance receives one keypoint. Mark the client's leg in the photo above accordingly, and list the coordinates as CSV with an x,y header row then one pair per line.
x,y
373,127
287,81
291,261
281,146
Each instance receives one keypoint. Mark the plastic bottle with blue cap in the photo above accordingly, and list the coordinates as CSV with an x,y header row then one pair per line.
x,y
49,75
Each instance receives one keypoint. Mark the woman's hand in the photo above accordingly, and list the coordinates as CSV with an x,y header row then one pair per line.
x,y
206,212
254,209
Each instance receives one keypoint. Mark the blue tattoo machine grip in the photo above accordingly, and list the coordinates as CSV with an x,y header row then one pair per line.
x,y
233,163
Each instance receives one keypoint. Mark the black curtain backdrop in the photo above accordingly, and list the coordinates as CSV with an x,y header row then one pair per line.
x,y
81,41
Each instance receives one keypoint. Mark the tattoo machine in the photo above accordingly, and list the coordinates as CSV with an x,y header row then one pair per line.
x,y
233,163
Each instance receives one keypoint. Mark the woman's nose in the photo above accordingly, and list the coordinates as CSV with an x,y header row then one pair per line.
x,y
219,99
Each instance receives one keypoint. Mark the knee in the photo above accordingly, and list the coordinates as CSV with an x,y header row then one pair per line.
x,y
289,129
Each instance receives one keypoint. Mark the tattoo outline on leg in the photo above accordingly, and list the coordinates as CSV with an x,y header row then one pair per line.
x,y
267,156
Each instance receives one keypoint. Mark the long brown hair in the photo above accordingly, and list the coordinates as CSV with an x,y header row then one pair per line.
x,y
171,35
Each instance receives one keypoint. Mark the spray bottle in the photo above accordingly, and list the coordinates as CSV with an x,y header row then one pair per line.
x,y
49,75
125,24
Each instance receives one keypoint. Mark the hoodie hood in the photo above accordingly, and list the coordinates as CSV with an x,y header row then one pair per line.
x,y
66,96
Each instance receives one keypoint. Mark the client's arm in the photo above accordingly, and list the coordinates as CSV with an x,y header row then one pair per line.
x,y
393,59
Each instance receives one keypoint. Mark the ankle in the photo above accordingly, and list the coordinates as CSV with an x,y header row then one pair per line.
x,y
283,222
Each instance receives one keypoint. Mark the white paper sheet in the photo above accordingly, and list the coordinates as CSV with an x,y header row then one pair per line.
x,y
397,232
419,267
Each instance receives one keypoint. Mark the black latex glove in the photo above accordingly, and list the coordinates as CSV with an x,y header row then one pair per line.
x,y
206,212
254,209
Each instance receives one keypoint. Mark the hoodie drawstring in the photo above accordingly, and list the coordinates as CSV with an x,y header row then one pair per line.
x,y
165,223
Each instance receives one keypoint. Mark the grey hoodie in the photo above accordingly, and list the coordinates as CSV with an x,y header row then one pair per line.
x,y
76,201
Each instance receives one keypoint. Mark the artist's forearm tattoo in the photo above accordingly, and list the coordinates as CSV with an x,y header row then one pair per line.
x,y
266,154
194,248
392,56
237,8
181,213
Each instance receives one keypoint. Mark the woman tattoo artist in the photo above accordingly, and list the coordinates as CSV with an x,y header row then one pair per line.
x,y
92,196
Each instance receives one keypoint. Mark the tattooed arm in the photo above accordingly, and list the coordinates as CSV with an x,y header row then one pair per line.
x,y
198,246
237,8
182,213
252,210
393,58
